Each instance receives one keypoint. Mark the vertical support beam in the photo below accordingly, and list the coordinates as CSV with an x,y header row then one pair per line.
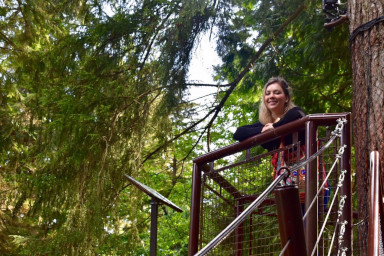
x,y
374,217
310,224
321,201
239,231
154,214
195,210
290,220
250,243
346,189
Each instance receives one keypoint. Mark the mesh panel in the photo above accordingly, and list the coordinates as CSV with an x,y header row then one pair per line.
x,y
227,191
325,162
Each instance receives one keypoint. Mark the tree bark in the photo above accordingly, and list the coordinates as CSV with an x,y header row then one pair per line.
x,y
367,51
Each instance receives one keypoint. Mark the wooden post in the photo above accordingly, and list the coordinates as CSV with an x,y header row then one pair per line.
x,y
154,213
311,220
195,210
290,220
346,189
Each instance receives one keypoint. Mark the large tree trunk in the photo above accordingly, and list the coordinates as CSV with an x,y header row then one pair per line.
x,y
367,50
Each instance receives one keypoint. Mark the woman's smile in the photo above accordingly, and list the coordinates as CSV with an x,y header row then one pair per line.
x,y
275,99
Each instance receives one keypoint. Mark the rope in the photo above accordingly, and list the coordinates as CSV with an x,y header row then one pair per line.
x,y
364,27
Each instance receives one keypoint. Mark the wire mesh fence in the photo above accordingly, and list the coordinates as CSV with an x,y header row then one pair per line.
x,y
227,191
325,162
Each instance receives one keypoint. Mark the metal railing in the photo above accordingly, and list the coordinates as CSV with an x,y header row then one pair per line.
x,y
375,219
227,181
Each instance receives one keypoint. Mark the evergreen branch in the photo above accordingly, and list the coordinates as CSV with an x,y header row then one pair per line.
x,y
265,45
330,95
149,46
6,39
108,140
5,49
252,62
216,110
194,145
208,85
114,196
207,95
178,135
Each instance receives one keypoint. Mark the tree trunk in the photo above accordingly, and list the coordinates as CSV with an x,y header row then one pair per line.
x,y
367,51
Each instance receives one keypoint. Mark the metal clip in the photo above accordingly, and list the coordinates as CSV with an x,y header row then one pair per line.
x,y
339,126
341,178
341,151
341,207
284,181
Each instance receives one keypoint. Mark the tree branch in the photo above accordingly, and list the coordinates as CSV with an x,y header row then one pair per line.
x,y
149,46
207,85
341,19
252,62
215,111
6,39
207,95
178,135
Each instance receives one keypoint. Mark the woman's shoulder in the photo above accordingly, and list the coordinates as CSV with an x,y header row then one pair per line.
x,y
296,109
296,112
291,115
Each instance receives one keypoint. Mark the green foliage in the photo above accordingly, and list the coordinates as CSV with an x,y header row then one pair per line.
x,y
88,96
314,60
85,98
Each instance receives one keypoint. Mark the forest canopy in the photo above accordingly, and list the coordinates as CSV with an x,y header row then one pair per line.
x,y
92,90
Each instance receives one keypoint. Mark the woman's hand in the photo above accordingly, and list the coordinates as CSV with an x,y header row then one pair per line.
x,y
267,127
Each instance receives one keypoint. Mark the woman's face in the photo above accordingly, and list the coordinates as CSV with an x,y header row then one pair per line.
x,y
275,99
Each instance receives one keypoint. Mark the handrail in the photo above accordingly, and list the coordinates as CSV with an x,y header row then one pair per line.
x,y
324,119
374,208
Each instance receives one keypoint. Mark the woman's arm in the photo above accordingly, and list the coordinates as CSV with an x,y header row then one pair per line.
x,y
247,131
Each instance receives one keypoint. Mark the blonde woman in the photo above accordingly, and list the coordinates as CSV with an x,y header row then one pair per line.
x,y
276,109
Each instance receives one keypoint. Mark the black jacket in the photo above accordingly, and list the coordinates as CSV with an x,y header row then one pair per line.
x,y
247,131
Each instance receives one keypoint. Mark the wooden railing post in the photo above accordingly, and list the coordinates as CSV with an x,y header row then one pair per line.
x,y
195,210
154,213
310,224
346,189
239,231
290,220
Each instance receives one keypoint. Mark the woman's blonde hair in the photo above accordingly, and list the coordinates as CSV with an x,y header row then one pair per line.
x,y
265,115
